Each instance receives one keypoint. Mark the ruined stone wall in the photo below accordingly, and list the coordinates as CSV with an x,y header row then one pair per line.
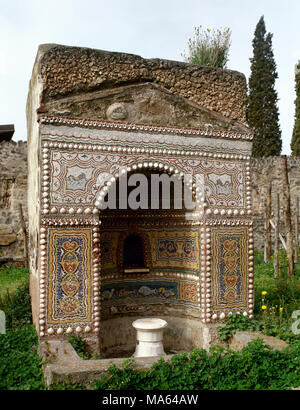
x,y
265,171
70,71
13,193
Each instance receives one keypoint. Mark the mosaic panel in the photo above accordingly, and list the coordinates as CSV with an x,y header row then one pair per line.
x,y
69,280
108,250
229,268
224,183
145,291
175,249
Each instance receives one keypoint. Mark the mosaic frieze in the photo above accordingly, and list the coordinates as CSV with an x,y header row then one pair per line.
x,y
149,291
109,133
224,181
77,176
171,249
74,177
69,280
229,268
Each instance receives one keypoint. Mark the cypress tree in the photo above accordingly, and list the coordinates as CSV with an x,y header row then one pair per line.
x,y
295,144
262,111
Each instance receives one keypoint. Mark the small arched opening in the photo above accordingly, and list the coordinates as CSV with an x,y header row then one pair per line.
x,y
133,254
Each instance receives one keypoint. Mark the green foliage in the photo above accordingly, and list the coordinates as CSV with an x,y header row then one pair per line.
x,y
295,143
11,278
20,366
267,269
269,323
236,322
262,110
67,386
17,306
209,47
281,293
79,345
255,367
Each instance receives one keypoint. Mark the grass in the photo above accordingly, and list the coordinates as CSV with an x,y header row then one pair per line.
x,y
20,366
17,306
276,298
266,270
11,278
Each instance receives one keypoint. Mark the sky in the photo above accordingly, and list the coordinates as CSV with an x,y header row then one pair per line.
x,y
149,28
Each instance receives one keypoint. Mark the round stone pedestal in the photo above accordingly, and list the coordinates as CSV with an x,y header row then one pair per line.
x,y
149,337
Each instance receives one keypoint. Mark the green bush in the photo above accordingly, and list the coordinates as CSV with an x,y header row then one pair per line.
x,y
281,293
281,296
81,349
20,366
236,322
269,324
17,307
257,367
79,345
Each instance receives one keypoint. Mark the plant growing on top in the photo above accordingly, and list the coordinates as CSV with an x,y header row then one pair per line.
x,y
209,47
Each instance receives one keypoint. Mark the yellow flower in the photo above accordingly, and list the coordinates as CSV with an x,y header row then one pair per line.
x,y
264,307
263,292
280,309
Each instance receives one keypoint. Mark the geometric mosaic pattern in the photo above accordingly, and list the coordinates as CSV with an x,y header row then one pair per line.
x,y
69,280
229,270
175,249
76,177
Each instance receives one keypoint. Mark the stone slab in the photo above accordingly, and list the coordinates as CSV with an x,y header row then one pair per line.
x,y
62,364
5,230
7,239
241,340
